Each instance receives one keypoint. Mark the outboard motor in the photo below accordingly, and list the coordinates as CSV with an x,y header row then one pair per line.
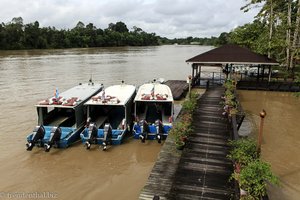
x,y
144,130
92,135
107,135
159,130
54,138
88,121
37,136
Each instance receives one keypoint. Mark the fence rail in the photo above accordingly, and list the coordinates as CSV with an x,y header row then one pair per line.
x,y
204,79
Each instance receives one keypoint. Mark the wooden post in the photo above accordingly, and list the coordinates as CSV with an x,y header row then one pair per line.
x,y
200,75
263,73
270,73
193,70
262,115
189,82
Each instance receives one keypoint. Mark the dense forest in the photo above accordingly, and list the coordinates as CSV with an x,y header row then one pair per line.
x,y
16,35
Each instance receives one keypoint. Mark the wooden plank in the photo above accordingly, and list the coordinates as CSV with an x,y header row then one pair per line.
x,y
179,88
202,170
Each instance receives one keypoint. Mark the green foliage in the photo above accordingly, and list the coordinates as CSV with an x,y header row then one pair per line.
x,y
243,151
230,99
190,104
223,39
183,125
252,173
16,35
297,81
251,35
297,78
229,85
212,41
254,177
270,32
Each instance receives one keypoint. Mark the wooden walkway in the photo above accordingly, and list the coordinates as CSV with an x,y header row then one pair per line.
x,y
179,88
202,171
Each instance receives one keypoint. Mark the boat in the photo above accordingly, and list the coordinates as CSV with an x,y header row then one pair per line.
x,y
61,118
154,112
109,116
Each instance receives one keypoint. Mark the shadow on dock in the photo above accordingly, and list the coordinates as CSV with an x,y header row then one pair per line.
x,y
201,170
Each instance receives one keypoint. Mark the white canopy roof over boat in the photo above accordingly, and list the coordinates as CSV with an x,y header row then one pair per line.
x,y
72,97
154,92
113,95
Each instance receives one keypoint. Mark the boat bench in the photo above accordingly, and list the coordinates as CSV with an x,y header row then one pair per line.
x,y
100,120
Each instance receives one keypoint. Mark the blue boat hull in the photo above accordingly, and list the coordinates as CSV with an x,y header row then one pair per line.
x,y
68,136
152,134
117,136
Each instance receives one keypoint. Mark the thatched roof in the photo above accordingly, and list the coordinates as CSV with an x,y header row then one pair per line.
x,y
231,54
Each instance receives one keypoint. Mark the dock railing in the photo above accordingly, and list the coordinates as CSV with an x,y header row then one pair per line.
x,y
213,78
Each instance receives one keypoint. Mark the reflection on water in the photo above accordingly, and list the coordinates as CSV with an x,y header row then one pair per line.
x,y
281,139
74,173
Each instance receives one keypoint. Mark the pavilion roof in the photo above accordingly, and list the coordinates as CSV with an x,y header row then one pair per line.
x,y
231,54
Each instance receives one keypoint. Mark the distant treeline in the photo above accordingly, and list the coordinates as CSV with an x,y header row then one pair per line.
x,y
16,35
213,41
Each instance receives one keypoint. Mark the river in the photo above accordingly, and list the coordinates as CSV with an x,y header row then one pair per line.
x,y
120,173
75,173
281,137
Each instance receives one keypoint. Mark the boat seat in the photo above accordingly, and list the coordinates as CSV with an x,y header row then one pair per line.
x,y
101,120
59,120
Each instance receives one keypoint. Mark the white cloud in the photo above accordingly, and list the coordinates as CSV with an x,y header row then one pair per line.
x,y
170,18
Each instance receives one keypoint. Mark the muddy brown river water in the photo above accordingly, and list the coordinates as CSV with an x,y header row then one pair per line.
x,y
120,173
75,173
281,137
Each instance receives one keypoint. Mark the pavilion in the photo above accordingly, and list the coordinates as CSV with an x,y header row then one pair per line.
x,y
228,55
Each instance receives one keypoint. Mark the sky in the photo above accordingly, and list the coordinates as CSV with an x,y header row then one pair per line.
x,y
166,18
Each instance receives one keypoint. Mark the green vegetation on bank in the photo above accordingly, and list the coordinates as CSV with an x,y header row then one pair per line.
x,y
251,172
183,126
274,32
212,41
16,35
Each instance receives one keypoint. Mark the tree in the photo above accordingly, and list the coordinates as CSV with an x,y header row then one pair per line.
x,y
296,38
223,38
137,30
281,19
121,27
17,20
91,33
79,25
252,35
32,35
16,35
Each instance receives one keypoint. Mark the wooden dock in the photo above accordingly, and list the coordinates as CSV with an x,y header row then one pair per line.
x,y
179,88
268,86
201,170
